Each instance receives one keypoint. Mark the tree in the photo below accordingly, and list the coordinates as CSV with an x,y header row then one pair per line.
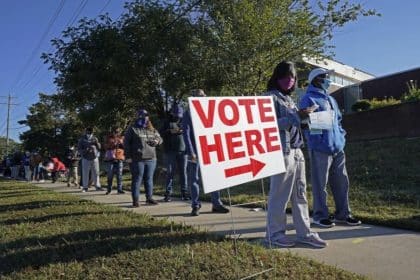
x,y
106,70
12,146
51,128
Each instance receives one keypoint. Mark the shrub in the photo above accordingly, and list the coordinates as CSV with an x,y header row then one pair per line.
x,y
413,93
361,105
376,103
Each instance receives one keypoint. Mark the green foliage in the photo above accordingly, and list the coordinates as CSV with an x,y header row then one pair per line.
x,y
413,93
361,105
376,103
45,235
12,146
106,70
364,104
51,127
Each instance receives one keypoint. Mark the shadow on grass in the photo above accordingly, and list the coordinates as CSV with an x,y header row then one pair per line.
x,y
39,204
21,194
85,245
48,218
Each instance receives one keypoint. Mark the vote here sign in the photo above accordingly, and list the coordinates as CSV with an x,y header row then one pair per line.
x,y
237,139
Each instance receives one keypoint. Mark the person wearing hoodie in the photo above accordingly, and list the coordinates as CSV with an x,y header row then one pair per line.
x,y
58,167
326,152
290,185
140,142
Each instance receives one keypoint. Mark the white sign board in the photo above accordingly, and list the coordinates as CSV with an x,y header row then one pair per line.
x,y
321,120
237,140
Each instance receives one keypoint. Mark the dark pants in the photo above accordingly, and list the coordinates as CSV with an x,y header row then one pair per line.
x,y
115,167
176,160
194,183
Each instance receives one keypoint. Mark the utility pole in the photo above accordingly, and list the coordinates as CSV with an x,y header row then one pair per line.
x,y
9,104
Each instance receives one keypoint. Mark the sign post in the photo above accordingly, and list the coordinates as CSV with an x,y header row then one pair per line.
x,y
237,140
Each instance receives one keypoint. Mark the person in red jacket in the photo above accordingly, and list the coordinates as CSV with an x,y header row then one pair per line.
x,y
58,167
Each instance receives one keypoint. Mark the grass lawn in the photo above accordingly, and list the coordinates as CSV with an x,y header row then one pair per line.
x,y
47,235
384,183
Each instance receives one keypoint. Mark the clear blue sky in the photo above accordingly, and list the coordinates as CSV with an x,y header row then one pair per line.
x,y
378,45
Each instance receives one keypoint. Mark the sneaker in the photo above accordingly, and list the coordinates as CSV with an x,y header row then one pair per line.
x,y
151,201
84,190
220,209
107,192
136,204
167,198
326,223
349,221
195,211
42,181
281,242
120,192
314,240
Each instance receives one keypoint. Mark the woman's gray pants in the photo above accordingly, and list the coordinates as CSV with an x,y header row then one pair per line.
x,y
290,185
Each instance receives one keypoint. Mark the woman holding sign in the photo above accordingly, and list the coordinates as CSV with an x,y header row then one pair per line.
x,y
290,185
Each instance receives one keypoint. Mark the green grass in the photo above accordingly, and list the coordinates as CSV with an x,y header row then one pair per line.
x,y
384,183
47,235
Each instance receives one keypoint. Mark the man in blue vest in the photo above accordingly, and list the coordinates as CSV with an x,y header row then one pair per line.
x,y
326,152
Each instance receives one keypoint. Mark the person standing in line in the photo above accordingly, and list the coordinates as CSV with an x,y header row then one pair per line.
x,y
72,161
114,156
26,162
327,157
88,148
16,163
194,167
58,168
140,142
35,161
176,156
291,185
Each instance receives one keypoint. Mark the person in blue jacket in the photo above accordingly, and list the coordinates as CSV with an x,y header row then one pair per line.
x,y
194,167
326,152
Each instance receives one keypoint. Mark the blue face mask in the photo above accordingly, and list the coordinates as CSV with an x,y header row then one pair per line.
x,y
142,122
325,84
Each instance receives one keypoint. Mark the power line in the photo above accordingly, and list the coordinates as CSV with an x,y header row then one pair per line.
x,y
72,19
104,7
38,46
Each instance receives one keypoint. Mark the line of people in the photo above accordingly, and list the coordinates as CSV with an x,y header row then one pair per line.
x,y
33,167
137,147
325,148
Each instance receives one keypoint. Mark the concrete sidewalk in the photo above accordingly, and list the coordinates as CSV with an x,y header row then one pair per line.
x,y
377,252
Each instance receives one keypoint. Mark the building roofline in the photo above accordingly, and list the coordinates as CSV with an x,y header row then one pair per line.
x,y
392,74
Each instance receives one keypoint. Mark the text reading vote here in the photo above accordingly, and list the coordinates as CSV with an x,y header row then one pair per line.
x,y
242,141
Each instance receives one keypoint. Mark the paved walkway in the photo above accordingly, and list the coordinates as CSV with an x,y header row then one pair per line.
x,y
378,252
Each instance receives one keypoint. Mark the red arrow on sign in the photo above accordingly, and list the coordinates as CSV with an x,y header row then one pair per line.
x,y
254,166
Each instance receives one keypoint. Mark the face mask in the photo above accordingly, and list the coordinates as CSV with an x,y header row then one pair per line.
x,y
325,84
286,83
142,122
